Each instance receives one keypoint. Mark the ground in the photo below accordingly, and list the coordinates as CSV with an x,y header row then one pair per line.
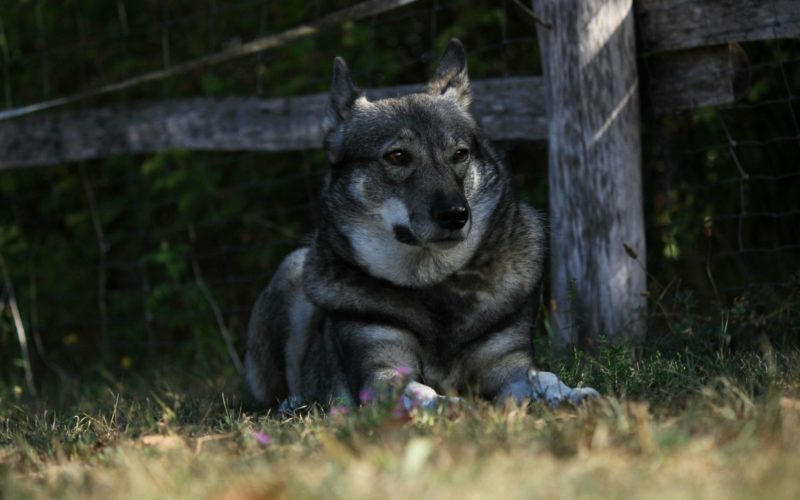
x,y
670,426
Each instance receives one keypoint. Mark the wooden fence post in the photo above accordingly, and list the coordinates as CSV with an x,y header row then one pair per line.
x,y
595,179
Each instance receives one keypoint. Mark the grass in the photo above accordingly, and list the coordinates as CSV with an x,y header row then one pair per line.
x,y
178,438
691,417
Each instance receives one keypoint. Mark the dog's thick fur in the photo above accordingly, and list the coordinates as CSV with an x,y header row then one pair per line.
x,y
424,261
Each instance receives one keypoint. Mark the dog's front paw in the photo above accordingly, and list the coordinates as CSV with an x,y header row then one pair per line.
x,y
536,386
289,405
547,386
582,394
416,395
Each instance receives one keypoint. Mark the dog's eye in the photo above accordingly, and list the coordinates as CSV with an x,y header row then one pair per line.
x,y
461,155
397,157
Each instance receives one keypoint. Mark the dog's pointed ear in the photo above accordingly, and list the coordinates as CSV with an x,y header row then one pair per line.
x,y
343,92
450,78
343,96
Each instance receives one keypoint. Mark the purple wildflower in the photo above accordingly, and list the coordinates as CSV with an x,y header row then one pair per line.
x,y
262,438
366,395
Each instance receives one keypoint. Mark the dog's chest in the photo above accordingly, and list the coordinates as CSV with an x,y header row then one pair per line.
x,y
458,308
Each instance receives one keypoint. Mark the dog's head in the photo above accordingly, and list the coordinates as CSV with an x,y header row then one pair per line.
x,y
407,172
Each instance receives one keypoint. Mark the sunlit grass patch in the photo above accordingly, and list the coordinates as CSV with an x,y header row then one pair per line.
x,y
722,439
690,415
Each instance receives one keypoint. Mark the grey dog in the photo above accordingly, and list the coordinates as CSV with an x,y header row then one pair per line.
x,y
424,262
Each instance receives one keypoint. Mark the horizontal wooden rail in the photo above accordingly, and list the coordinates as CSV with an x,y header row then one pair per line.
x,y
507,109
693,78
693,66
666,25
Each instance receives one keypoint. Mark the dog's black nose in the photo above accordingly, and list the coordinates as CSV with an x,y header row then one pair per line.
x,y
450,216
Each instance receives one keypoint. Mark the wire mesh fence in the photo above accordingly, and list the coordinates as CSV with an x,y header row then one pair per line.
x,y
723,216
110,258
129,258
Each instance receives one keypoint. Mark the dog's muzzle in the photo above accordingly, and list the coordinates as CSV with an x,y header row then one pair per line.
x,y
442,240
450,217
447,226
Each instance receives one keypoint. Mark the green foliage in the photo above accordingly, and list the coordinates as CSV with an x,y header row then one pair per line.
x,y
718,181
101,254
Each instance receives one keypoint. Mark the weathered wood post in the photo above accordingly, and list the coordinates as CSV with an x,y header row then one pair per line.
x,y
589,56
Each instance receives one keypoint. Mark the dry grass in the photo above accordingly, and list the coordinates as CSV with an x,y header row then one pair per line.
x,y
724,438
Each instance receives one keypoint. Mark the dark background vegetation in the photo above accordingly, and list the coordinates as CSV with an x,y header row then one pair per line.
x,y
101,253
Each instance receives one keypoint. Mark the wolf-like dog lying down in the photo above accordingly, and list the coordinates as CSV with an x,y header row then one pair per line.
x,y
424,262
